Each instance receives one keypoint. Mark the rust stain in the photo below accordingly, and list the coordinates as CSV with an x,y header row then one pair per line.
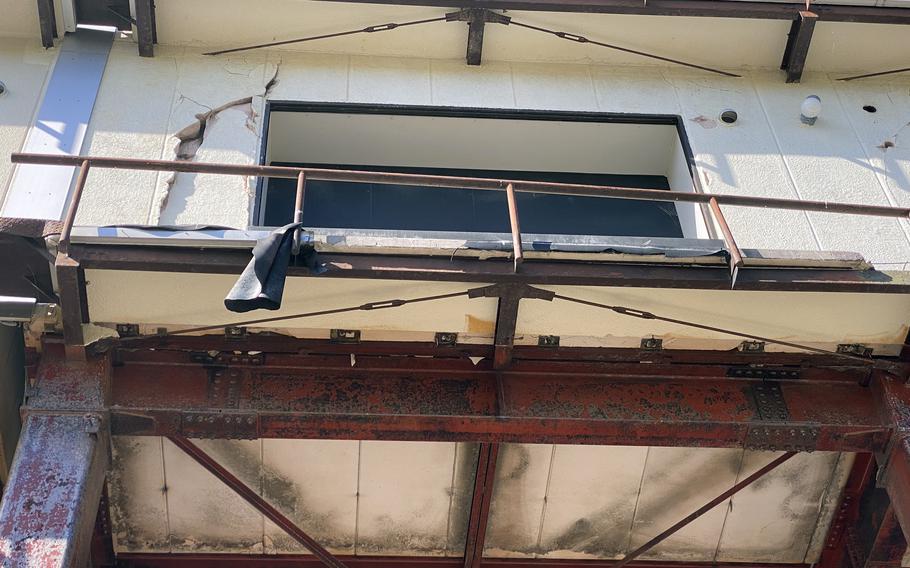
x,y
479,326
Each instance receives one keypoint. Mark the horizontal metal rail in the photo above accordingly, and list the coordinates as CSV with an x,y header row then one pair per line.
x,y
317,174
510,187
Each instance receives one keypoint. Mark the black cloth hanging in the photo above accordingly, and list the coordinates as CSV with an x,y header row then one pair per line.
x,y
261,284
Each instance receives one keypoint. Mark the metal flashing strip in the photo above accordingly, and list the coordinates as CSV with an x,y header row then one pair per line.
x,y
40,192
477,245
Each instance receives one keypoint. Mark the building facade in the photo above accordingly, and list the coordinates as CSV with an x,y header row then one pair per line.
x,y
560,283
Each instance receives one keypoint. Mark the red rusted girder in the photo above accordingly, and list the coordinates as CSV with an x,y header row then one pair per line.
x,y
48,510
847,516
480,505
895,397
888,543
325,557
146,560
408,398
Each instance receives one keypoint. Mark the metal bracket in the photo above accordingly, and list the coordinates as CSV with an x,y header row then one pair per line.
x,y
751,372
128,329
344,336
476,18
652,344
782,437
855,349
235,332
770,403
446,339
225,359
752,346
230,425
548,341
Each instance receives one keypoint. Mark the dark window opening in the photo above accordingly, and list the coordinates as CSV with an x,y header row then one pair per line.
x,y
625,150
346,205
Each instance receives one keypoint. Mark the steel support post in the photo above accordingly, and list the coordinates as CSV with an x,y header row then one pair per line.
x,y
47,516
895,462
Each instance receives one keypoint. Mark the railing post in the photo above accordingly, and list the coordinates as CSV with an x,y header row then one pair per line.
x,y
736,257
298,208
63,246
516,229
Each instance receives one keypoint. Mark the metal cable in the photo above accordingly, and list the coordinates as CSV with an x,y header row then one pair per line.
x,y
641,314
582,39
362,307
879,74
366,30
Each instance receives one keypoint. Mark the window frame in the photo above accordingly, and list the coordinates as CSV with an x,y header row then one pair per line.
x,y
675,120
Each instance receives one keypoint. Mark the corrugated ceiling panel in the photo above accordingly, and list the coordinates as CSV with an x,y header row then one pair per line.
x,y
774,519
137,495
678,481
314,483
591,500
518,499
205,515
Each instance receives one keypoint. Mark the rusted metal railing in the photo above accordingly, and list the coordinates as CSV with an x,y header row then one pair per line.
x,y
511,187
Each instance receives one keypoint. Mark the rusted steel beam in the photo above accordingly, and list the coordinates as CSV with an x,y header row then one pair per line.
x,y
480,505
102,539
257,501
847,516
515,226
687,520
47,22
297,352
894,396
487,184
73,303
683,8
798,42
419,400
213,261
888,544
145,27
49,506
181,560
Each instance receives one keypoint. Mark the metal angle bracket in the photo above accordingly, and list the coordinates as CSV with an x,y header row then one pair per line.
x,y
476,18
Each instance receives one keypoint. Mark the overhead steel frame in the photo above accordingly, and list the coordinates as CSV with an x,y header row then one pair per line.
x,y
172,391
164,386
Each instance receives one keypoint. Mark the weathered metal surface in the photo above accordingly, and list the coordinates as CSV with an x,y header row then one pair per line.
x,y
798,45
481,498
306,561
214,261
424,399
48,510
65,385
895,477
507,313
145,27
847,515
687,8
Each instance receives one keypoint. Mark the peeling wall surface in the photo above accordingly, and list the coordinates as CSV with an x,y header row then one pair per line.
x,y
413,498
184,105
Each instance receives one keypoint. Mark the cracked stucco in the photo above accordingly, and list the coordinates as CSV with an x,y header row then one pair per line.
x,y
226,133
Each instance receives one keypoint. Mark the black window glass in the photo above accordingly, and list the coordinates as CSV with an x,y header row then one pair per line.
x,y
330,204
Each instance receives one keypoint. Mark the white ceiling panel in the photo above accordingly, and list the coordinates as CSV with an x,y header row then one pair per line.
x,y
204,514
678,481
774,519
138,495
518,500
314,483
591,500
405,497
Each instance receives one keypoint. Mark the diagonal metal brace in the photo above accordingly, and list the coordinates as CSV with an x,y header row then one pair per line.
x,y
507,314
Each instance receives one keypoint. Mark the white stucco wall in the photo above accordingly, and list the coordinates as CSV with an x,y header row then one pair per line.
x,y
144,103
24,66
